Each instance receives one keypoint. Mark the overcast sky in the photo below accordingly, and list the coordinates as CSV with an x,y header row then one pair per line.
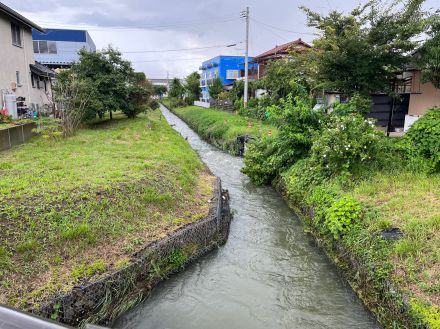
x,y
147,25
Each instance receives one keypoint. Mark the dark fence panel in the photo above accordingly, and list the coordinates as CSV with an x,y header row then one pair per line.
x,y
381,108
15,135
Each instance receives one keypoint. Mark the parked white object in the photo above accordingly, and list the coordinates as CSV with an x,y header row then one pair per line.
x,y
11,105
409,121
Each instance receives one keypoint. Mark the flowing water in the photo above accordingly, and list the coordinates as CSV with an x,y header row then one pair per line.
x,y
268,275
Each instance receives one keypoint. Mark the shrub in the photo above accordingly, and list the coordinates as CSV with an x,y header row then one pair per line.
x,y
297,122
347,144
423,139
259,161
300,179
342,215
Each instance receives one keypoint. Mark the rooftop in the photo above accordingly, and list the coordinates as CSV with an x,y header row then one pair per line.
x,y
20,18
284,49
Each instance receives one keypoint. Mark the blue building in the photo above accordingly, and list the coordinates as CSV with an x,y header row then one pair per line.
x,y
58,48
228,68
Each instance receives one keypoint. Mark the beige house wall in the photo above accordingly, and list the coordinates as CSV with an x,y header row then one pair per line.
x,y
13,59
424,96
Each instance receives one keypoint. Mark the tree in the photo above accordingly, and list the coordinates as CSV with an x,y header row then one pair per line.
x,y
140,91
111,75
281,77
429,54
159,91
215,87
176,89
192,87
237,91
73,97
362,51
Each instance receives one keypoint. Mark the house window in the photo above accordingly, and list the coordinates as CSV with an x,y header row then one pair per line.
x,y
33,80
17,76
16,34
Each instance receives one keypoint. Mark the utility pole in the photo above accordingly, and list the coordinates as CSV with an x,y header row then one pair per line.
x,y
245,14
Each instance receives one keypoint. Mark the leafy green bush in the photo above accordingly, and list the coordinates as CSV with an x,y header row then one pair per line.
x,y
259,161
423,139
357,104
347,143
342,215
300,179
297,122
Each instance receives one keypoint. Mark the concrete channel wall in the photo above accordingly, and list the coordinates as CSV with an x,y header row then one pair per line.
x,y
16,135
102,301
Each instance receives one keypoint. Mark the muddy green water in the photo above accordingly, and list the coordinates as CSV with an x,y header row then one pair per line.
x,y
269,274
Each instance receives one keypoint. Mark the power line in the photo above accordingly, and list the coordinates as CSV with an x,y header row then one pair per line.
x,y
170,60
170,50
137,27
281,29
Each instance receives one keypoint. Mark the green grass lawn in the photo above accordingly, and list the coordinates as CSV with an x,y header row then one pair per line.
x,y
410,202
222,128
75,208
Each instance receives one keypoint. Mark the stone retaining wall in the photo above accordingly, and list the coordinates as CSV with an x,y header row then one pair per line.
x,y
16,135
102,301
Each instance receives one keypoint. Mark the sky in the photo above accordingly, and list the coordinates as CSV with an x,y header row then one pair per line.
x,y
145,30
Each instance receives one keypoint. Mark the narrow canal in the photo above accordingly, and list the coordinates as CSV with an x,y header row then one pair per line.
x,y
268,275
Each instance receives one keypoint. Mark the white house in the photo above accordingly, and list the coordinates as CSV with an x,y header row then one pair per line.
x,y
20,75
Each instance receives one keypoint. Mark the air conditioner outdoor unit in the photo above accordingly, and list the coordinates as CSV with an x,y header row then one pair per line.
x,y
14,86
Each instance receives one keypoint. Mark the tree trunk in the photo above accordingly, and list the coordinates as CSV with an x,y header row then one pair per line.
x,y
111,115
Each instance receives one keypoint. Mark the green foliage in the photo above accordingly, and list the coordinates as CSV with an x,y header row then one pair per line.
x,y
140,94
282,77
423,139
77,232
428,314
259,161
56,311
159,91
361,51
85,271
428,56
342,215
215,87
357,105
192,87
237,92
297,122
177,90
176,259
347,144
50,129
111,76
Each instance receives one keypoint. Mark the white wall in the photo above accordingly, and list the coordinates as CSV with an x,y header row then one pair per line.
x,y
13,58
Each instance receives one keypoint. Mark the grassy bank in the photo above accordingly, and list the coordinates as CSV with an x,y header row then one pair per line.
x,y
74,209
222,128
398,275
